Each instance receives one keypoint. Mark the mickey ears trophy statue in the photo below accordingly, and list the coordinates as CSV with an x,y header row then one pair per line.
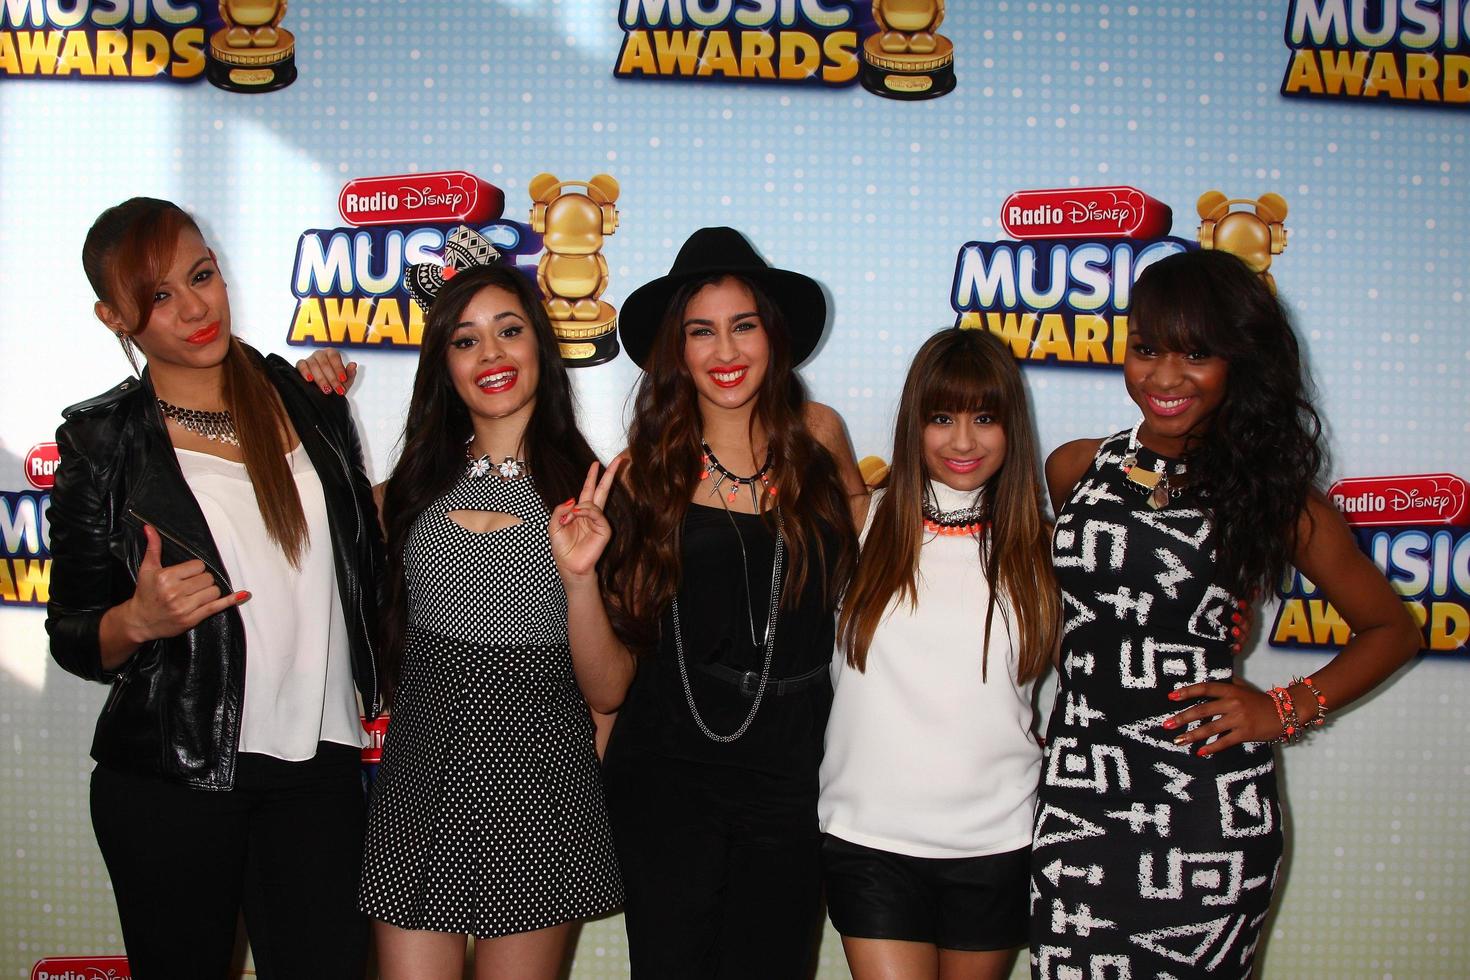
x,y
252,52
908,59
574,218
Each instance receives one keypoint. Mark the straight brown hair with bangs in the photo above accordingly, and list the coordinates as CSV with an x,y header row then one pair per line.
x,y
959,371
126,253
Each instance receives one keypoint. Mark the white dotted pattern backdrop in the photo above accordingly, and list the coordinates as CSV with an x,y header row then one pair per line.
x,y
872,197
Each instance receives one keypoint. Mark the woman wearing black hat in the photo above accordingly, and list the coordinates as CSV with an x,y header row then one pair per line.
x,y
723,582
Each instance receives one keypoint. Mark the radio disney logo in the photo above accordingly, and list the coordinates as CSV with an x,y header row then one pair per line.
x,y
82,968
40,465
407,197
1088,212
447,197
1428,498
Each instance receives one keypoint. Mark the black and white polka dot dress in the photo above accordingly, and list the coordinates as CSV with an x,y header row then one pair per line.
x,y
487,816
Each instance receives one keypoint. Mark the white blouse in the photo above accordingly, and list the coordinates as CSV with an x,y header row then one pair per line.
x,y
922,757
298,671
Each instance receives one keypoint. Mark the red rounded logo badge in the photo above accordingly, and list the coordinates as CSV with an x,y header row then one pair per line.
x,y
1085,212
446,197
41,463
81,968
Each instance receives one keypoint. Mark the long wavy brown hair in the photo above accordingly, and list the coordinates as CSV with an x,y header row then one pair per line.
x,y
961,372
438,426
127,251
643,565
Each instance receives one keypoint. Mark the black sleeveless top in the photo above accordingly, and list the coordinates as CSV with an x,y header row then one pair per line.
x,y
717,608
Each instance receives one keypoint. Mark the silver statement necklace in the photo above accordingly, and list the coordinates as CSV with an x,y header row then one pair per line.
x,y
214,426
509,468
770,645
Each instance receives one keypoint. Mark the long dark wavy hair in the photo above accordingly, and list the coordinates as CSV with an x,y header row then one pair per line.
x,y
127,251
438,426
1259,456
642,568
962,371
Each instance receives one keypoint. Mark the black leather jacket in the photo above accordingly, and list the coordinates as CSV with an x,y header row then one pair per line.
x,y
174,709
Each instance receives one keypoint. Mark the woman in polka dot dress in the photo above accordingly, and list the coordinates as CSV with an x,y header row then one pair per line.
x,y
487,818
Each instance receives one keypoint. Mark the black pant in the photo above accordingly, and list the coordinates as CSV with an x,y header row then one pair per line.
x,y
285,845
721,871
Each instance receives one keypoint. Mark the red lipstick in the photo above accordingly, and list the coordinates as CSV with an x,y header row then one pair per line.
x,y
729,377
204,335
495,381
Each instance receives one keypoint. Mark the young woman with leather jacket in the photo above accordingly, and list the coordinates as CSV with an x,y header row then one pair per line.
x,y
216,561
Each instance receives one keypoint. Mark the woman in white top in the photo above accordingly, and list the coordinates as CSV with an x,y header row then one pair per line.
x,y
228,750
931,765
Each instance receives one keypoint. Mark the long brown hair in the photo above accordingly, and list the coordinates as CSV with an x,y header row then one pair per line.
x,y
438,426
643,567
127,251
961,371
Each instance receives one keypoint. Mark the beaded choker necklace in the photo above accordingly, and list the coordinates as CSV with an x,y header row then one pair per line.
x,y
1152,483
214,426
959,522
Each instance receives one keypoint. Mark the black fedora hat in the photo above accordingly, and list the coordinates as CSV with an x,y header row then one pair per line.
x,y
724,251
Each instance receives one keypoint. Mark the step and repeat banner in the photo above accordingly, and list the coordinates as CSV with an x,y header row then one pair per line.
x,y
1005,166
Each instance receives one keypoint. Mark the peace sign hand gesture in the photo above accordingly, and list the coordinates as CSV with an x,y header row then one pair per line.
x,y
579,529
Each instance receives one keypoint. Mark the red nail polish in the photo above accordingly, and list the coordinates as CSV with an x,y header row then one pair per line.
x,y
309,377
1235,617
1171,723
1202,751
342,376
1174,695
341,390
241,596
1235,631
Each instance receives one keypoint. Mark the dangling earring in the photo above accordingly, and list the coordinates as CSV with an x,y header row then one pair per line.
x,y
129,352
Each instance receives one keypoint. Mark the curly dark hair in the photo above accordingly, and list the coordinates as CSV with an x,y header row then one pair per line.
x,y
1262,453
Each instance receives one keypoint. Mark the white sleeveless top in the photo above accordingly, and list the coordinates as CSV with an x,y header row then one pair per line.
x,y
922,757
298,670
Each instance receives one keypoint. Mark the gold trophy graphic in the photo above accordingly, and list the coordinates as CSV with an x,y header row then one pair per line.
x,y
1252,236
252,52
572,273
908,58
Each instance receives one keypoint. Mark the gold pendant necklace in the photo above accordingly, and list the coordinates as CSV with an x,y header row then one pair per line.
x,y
1154,484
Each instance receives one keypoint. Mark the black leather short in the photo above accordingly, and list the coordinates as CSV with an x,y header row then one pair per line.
x,y
974,904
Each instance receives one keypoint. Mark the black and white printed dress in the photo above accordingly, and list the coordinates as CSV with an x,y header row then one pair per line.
x,y
1148,862
487,817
